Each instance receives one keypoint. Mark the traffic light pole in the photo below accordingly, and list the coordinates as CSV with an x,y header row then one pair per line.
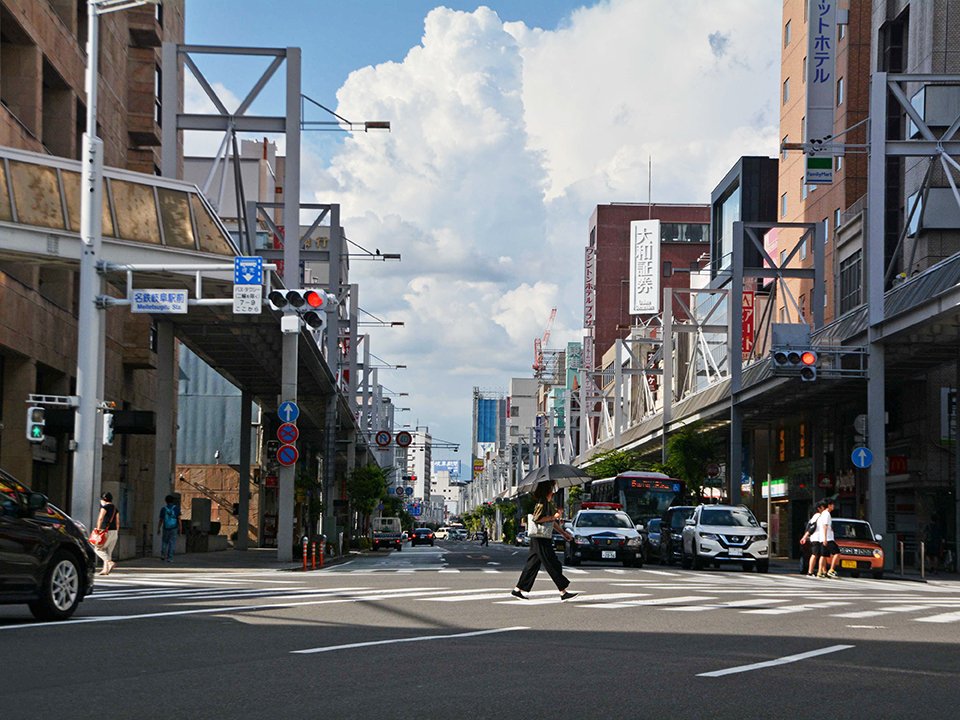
x,y
87,455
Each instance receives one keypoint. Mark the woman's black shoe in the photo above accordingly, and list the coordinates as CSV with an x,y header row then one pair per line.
x,y
568,595
518,594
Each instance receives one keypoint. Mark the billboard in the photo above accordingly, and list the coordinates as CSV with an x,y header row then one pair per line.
x,y
449,466
589,306
644,267
821,83
486,420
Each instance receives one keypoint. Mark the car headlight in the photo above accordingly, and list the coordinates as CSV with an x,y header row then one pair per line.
x,y
761,537
709,536
635,542
582,540
878,553
676,536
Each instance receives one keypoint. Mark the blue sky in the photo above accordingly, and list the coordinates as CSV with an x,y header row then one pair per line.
x,y
510,123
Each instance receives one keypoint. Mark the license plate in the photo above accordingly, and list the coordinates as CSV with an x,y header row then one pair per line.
x,y
848,563
736,552
608,554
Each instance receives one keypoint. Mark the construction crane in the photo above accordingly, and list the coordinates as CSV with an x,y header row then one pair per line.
x,y
540,343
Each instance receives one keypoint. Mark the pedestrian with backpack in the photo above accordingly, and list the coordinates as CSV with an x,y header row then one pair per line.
x,y
169,525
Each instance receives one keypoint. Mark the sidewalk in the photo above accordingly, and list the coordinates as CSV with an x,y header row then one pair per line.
x,y
789,566
229,560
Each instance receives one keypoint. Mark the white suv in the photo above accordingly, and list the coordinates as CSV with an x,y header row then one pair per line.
x,y
725,534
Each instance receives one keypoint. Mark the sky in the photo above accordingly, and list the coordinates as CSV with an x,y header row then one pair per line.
x,y
511,122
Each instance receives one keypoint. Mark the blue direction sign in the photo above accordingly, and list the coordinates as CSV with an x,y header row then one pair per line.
x,y
288,411
862,457
408,490
248,271
287,455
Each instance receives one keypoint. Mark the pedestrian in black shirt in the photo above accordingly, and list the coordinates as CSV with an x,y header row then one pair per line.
x,y
541,523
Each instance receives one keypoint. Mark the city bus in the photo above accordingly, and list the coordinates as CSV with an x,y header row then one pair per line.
x,y
643,495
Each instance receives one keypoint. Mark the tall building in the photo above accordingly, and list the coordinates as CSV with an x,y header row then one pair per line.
x,y
42,109
683,242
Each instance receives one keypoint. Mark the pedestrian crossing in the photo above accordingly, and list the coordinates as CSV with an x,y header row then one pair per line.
x,y
601,590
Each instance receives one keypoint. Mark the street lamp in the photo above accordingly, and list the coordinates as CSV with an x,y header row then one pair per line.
x,y
87,459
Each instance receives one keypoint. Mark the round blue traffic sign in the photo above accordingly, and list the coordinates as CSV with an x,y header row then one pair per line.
x,y
288,411
861,457
383,438
288,433
287,455
408,490
404,438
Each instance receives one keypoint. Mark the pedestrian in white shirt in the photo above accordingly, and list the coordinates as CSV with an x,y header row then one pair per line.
x,y
828,545
811,537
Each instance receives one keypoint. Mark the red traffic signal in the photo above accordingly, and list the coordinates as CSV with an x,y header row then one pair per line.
x,y
808,358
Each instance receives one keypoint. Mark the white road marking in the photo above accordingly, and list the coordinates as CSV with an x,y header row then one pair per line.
x,y
779,661
654,601
793,608
422,638
556,599
660,572
450,570
941,618
732,604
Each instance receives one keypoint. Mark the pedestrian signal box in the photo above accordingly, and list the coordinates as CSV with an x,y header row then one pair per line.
x,y
36,424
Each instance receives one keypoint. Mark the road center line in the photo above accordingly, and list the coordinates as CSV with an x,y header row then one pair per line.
x,y
422,638
779,661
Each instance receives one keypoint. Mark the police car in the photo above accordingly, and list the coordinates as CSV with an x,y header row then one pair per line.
x,y
603,532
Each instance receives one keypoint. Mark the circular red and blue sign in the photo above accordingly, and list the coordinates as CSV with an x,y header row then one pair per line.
x,y
288,433
404,438
287,455
383,438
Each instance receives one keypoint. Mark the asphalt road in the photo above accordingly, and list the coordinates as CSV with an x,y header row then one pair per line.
x,y
431,632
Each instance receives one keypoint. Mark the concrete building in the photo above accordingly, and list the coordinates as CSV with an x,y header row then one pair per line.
x,y
42,109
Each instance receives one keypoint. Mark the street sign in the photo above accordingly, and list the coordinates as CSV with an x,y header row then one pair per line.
x,y
404,438
287,455
288,433
163,302
399,491
248,271
408,490
713,470
288,411
247,299
861,457
819,170
383,438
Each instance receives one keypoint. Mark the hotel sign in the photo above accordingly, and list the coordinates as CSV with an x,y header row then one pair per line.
x,y
821,88
644,267
589,306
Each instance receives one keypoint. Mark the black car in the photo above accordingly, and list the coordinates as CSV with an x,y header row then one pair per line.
x,y
671,533
653,545
421,536
45,559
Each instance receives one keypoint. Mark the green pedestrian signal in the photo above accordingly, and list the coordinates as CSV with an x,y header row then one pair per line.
x,y
36,420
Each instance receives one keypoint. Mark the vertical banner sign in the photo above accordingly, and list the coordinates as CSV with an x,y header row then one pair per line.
x,y
644,267
589,306
747,321
821,88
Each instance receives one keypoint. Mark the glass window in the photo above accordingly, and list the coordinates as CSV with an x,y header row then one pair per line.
x,y
839,92
728,517
136,211
836,219
803,189
786,34
5,209
783,150
71,188
783,205
175,214
826,230
850,282
804,78
842,31
212,239
786,90
838,163
783,258
683,232
803,249
36,192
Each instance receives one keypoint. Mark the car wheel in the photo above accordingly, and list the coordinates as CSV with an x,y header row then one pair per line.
x,y
639,562
60,593
685,560
877,574
762,566
431,544
695,561
399,548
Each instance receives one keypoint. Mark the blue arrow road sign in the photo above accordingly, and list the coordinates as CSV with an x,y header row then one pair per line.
x,y
408,490
862,457
288,411
248,271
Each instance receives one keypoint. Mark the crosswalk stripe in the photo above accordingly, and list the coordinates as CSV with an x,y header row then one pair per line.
x,y
793,608
583,598
732,604
652,601
941,618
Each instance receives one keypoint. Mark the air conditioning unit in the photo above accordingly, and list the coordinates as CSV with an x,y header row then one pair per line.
x,y
938,105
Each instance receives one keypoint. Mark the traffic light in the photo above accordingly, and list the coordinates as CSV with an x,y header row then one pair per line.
x,y
36,421
808,366
312,305
796,361
108,428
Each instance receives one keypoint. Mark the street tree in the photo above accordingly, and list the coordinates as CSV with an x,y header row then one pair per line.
x,y
611,463
689,451
366,487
